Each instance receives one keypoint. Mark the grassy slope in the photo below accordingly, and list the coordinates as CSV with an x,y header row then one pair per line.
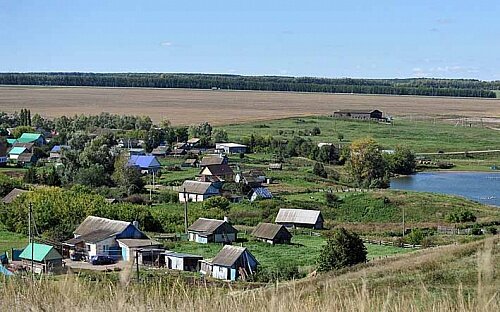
x,y
303,252
10,240
421,136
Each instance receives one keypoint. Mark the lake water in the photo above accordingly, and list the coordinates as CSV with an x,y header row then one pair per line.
x,y
483,187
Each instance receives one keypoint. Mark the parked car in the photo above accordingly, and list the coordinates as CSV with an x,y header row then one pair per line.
x,y
101,260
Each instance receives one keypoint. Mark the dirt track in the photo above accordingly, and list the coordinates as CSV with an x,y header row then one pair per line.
x,y
184,106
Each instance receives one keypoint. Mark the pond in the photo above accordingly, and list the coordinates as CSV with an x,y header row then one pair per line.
x,y
483,187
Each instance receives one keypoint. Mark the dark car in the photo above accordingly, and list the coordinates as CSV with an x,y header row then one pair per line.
x,y
101,260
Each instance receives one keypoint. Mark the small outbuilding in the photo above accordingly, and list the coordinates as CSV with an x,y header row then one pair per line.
x,y
46,259
15,152
230,263
182,261
212,231
359,114
231,148
300,218
272,233
260,193
191,162
130,245
56,151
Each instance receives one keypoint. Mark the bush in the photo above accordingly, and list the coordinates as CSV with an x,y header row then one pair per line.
x,y
343,248
168,197
331,199
461,216
492,230
415,237
217,202
476,230
319,170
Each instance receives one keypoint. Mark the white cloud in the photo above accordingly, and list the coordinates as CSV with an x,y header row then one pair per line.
x,y
166,44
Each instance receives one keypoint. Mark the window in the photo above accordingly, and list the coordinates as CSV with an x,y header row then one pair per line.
x,y
88,247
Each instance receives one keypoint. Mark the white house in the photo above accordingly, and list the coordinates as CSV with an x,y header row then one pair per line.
x,y
231,148
196,191
212,231
230,263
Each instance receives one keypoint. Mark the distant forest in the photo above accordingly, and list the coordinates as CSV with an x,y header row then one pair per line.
x,y
410,86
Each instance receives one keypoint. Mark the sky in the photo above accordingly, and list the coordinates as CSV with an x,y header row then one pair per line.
x,y
356,38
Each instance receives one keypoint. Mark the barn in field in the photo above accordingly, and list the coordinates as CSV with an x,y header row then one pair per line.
x,y
359,114
300,218
272,233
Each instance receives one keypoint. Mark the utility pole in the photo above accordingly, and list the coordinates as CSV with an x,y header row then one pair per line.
x,y
185,212
30,234
137,265
404,222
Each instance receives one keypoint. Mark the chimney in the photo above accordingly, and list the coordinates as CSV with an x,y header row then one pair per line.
x,y
226,219
136,224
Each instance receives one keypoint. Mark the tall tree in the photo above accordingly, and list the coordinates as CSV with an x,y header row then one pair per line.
x,y
366,165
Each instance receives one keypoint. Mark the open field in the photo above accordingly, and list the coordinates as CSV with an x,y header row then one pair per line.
x,y
184,106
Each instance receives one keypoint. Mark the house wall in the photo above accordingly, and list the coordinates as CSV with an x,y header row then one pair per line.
x,y
102,247
220,272
194,237
175,263
195,197
229,237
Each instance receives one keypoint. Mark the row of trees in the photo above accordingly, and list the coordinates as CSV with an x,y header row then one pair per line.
x,y
428,87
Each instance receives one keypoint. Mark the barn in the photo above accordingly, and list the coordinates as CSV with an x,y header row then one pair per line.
x,y
272,233
300,218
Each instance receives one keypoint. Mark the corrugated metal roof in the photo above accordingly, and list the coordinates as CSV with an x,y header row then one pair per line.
x,y
181,255
26,157
17,150
207,226
262,192
213,160
41,252
144,162
15,193
195,187
217,170
302,216
137,243
93,224
268,230
228,255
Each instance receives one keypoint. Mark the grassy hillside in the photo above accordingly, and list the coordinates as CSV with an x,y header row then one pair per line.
x,y
451,278
421,136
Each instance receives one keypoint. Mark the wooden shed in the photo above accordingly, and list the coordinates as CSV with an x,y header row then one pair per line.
x,y
272,233
46,259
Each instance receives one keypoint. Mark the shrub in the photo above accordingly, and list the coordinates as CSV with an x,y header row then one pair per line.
x,y
492,230
415,237
168,197
331,199
319,170
476,230
343,248
217,202
461,216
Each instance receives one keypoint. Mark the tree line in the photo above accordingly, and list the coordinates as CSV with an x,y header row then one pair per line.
x,y
412,86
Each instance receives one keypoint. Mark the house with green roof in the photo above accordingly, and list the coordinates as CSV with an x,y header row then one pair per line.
x,y
15,152
36,138
11,141
46,259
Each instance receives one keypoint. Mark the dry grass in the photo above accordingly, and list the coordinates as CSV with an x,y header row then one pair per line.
x,y
377,286
184,106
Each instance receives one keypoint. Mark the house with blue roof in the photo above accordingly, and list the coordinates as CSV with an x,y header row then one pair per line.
x,y
260,193
146,163
55,152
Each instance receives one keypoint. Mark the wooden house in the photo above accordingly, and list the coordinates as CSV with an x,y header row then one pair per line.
x,y
191,162
300,218
99,236
46,259
222,172
212,231
26,160
14,152
196,191
272,233
231,263
56,151
215,159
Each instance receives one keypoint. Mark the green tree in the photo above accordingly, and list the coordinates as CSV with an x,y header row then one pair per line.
x,y
31,176
126,177
366,165
319,170
402,161
219,136
93,175
18,131
343,248
328,154
217,202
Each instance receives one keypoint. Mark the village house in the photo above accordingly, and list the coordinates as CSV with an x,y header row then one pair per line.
x,y
252,178
182,261
300,218
215,159
99,236
177,152
160,151
260,193
15,193
272,233
35,138
46,259
191,162
231,148
26,160
230,263
147,164
359,114
55,152
136,152
14,152
196,191
221,172
193,142
212,231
